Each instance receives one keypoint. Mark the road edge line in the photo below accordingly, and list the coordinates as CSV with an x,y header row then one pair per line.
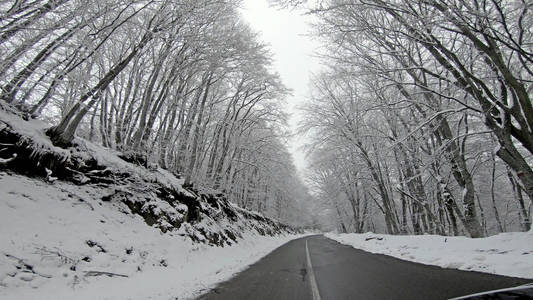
x,y
312,279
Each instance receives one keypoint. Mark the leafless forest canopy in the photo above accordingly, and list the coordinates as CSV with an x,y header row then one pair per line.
x,y
420,121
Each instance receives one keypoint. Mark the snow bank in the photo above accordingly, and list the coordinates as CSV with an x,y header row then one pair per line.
x,y
509,254
61,241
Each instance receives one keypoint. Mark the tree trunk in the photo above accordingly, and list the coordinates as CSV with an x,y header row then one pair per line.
x,y
63,134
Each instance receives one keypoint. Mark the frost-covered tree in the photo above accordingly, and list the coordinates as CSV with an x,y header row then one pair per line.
x,y
441,93
185,84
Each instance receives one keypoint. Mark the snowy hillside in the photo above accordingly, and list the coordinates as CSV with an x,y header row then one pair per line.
x,y
61,243
85,224
509,254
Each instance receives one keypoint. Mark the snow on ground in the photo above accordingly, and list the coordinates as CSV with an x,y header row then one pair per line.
x,y
58,239
509,254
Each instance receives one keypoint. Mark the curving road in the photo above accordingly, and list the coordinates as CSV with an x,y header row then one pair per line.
x,y
338,272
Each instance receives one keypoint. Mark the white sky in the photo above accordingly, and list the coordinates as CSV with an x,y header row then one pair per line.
x,y
286,32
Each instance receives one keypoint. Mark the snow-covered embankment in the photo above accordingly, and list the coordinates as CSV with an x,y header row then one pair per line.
x,y
509,254
56,246
83,223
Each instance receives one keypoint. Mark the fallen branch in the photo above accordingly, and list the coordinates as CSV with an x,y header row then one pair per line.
x,y
4,161
78,176
26,267
100,273
83,202
48,253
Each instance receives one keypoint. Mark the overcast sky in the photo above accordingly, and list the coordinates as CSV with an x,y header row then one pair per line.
x,y
286,32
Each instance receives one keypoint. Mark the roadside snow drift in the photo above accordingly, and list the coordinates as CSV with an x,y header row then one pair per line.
x,y
509,254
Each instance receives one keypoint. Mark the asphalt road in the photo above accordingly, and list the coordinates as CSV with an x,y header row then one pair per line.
x,y
342,272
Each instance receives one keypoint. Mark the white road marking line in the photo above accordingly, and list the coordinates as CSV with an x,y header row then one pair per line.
x,y
312,279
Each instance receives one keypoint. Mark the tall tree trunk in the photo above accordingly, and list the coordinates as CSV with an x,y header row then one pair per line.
x,y
190,169
493,198
32,18
10,90
517,190
63,134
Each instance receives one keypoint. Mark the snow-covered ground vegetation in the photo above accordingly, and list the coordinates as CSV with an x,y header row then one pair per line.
x,y
84,222
509,254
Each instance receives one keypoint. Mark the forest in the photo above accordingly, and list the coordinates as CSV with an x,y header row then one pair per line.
x,y
422,115
186,85
420,120
219,149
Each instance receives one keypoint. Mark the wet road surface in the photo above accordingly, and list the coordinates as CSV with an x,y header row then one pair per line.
x,y
342,272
